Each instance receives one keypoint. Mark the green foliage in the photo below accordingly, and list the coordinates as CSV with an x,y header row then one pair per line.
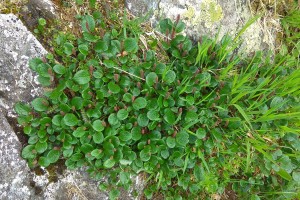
x,y
204,121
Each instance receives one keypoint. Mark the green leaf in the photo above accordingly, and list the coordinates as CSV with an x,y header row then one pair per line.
x,y
125,136
82,77
122,114
169,77
180,27
77,102
86,148
130,45
98,138
70,119
88,23
44,161
41,147
98,126
59,69
145,154
109,63
127,97
191,116
114,194
79,132
151,78
89,37
153,115
139,103
68,48
84,49
42,21
22,109
182,138
40,104
275,102
165,25
201,133
101,46
113,119
142,120
296,176
109,163
114,88
169,116
136,133
53,156
171,142
29,152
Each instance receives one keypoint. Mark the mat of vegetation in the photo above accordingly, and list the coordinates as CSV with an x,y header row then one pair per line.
x,y
195,118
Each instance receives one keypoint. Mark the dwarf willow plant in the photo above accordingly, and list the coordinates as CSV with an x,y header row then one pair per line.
x,y
202,122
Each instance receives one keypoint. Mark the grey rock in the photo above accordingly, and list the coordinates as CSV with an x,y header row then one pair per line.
x,y
208,17
14,174
17,47
44,7
141,7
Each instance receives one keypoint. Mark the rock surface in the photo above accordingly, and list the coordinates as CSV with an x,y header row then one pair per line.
x,y
14,173
208,17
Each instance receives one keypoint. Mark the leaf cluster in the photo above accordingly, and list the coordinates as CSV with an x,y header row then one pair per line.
x,y
195,124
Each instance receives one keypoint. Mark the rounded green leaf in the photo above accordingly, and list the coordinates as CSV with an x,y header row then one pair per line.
x,y
113,119
130,45
98,138
169,116
41,147
84,49
79,132
201,133
98,126
77,102
86,148
22,109
88,23
139,103
44,161
53,156
296,176
29,152
127,97
101,46
145,154
125,136
171,142
109,163
136,133
114,88
40,104
182,138
68,48
169,77
59,69
142,120
153,115
82,77
151,78
70,119
122,114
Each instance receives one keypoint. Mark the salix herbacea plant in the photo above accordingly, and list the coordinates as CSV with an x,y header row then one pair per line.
x,y
202,121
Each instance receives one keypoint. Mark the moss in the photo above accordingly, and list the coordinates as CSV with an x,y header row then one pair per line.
x,y
210,13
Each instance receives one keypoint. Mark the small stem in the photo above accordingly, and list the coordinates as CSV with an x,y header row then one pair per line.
x,y
129,73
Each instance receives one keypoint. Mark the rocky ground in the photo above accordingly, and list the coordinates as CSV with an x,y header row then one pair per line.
x,y
18,83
